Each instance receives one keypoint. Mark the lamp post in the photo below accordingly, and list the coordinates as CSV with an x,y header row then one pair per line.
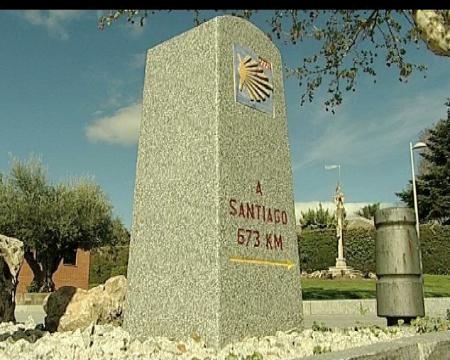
x,y
419,145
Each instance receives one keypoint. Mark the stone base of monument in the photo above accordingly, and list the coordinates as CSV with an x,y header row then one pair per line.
x,y
334,272
347,272
342,270
341,264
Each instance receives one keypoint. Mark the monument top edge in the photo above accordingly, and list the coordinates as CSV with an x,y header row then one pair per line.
x,y
231,18
219,19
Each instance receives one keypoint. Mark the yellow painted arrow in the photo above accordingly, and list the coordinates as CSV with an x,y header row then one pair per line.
x,y
286,263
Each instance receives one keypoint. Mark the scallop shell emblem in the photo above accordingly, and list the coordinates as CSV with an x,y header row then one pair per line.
x,y
253,79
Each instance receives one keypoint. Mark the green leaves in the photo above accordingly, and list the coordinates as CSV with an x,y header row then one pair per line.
x,y
319,218
55,218
318,248
106,262
369,211
433,182
255,356
430,324
345,43
114,15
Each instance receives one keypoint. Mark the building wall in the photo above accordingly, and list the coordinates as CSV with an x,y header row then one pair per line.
x,y
73,275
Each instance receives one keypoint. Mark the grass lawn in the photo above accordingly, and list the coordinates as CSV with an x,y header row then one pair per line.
x,y
318,289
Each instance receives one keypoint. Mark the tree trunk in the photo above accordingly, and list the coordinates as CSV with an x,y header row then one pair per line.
x,y
50,264
43,265
7,304
38,275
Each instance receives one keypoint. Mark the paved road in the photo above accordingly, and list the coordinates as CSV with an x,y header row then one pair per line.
x,y
38,314
35,311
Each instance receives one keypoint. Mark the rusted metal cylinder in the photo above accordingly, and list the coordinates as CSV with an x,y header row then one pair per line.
x,y
398,266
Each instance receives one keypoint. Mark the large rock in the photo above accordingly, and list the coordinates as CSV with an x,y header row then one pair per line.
x,y
71,308
11,258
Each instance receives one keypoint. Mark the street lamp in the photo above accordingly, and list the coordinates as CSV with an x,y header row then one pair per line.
x,y
419,145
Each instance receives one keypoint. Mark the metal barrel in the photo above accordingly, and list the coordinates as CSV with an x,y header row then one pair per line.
x,y
398,265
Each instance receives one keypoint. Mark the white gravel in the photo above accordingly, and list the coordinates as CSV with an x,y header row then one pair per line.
x,y
23,342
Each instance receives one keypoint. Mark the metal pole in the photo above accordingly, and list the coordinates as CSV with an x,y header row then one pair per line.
x,y
414,190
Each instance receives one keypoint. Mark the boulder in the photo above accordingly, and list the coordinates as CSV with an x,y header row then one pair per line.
x,y
11,258
71,308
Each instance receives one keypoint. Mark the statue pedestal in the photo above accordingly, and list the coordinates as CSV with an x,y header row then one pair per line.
x,y
341,268
341,263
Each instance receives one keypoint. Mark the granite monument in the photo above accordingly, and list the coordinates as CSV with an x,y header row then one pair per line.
x,y
213,249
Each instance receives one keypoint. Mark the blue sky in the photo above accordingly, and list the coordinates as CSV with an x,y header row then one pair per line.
x,y
71,94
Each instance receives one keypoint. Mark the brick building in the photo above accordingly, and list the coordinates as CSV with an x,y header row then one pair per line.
x,y
73,270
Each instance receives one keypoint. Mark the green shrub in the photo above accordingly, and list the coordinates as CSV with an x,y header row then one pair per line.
x,y
318,219
107,262
427,324
318,249
359,247
435,245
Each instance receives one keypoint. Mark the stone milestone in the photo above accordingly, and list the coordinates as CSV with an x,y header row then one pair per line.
x,y
11,258
214,250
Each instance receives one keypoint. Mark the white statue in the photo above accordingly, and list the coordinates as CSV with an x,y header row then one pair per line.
x,y
340,213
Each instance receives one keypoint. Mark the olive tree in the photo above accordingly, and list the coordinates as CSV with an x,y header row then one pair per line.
x,y
53,219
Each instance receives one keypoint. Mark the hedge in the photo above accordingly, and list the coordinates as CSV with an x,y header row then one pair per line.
x,y
318,249
435,245
107,262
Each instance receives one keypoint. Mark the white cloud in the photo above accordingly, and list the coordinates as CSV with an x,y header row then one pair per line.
x,y
122,127
53,20
382,132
